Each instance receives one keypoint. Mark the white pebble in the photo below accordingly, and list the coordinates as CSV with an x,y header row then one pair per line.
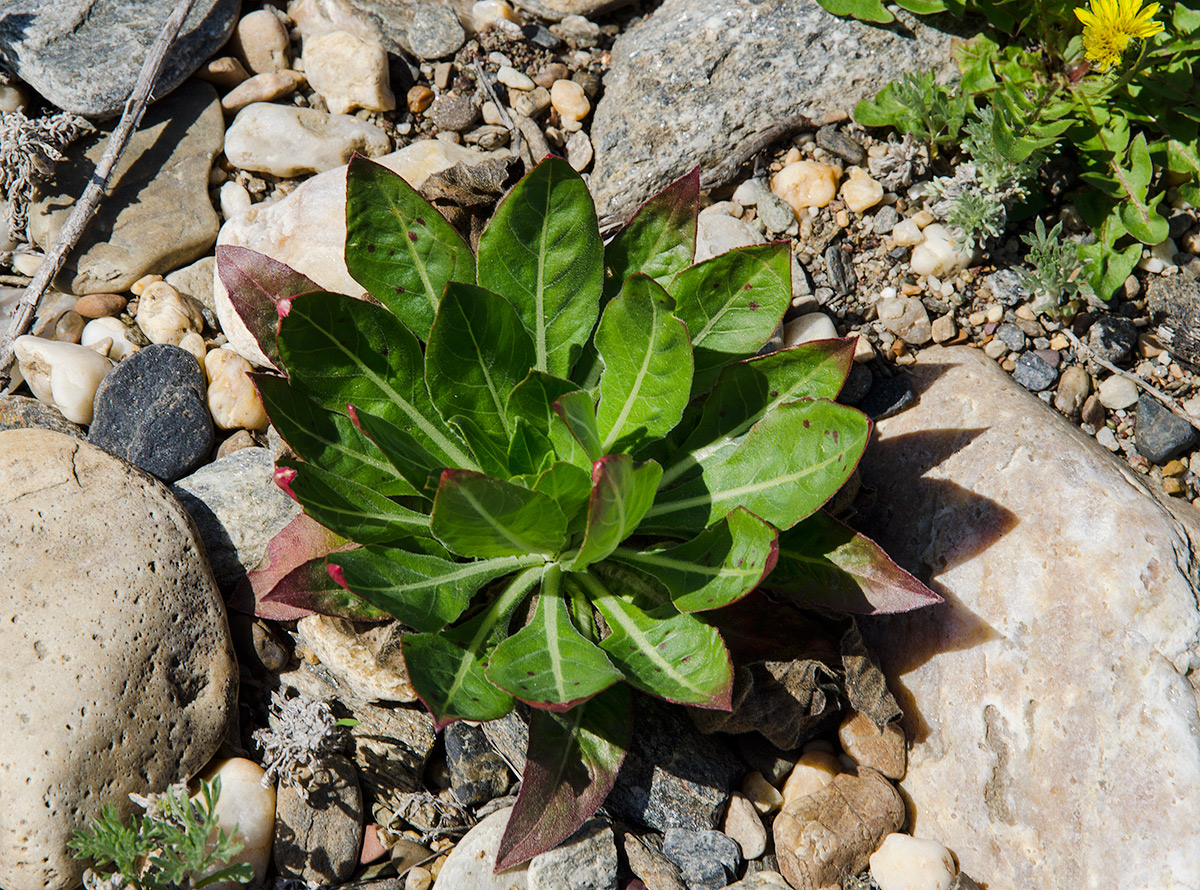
x,y
485,12
248,806
938,254
903,862
193,343
809,327
746,194
994,313
995,349
348,72
232,398
514,79
1108,439
64,375
112,329
1117,392
860,191
907,233
579,151
286,141
806,184
571,103
165,315
742,823
235,200
765,796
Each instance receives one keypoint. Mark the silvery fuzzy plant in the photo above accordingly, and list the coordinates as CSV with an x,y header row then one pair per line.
x,y
557,462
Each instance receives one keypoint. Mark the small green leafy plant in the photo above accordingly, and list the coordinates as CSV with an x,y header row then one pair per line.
x,y
176,844
556,462
1056,273
1128,123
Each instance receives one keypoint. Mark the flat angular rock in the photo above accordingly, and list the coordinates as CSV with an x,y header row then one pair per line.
x,y
587,860
477,773
1161,435
698,81
119,674
238,509
157,215
471,864
286,141
428,29
84,55
151,410
21,412
1053,724
318,837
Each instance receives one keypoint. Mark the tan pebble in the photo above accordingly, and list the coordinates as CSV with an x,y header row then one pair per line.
x,y
793,155
1009,365
141,284
435,867
419,98
1174,468
100,305
742,823
225,72
863,350
860,191
570,101
68,327
239,440
530,104
813,770
579,151
349,72
906,233
842,218
976,318
232,396
550,73
419,878
944,328
514,79
490,113
1059,341
1026,312
806,184
1174,486
249,806
165,315
765,796
262,88
903,862
261,41
923,218
484,12
994,313
883,750
193,343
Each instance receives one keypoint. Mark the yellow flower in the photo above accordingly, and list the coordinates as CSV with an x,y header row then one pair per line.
x,y
1109,25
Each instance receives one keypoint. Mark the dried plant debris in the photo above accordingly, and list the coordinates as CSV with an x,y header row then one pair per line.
x,y
29,149
307,732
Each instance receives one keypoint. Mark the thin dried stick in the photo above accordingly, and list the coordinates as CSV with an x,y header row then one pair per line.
x,y
85,207
513,132
1169,403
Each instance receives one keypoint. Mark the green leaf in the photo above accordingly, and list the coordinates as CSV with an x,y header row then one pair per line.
x,y
1108,267
401,450
578,412
864,10
475,515
347,508
660,239
679,658
490,450
621,495
340,351
533,399
825,565
530,451
884,110
923,7
748,391
478,352
447,668
255,284
423,591
788,465
398,246
647,358
717,567
328,439
542,250
548,663
570,487
571,765
311,587
732,305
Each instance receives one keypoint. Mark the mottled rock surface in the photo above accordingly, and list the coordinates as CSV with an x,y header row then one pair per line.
x,y
22,412
318,837
84,55
117,661
1050,701
698,80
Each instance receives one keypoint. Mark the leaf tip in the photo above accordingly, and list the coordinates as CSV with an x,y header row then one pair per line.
x,y
284,477
283,306
338,574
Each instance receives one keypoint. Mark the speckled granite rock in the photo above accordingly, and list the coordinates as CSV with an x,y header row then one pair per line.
x,y
1051,702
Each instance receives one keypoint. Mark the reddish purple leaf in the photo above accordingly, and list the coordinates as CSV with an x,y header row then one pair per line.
x,y
317,587
256,285
300,541
824,564
571,765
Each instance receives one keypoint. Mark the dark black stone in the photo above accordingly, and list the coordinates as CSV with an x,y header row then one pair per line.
x,y
841,270
152,411
674,776
1112,338
888,396
706,859
835,141
1034,373
1160,435
857,385
1012,336
477,772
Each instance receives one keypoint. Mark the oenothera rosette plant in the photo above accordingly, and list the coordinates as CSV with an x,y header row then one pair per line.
x,y
557,459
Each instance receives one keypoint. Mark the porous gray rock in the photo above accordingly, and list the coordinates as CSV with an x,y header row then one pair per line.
x,y
705,81
238,509
1050,702
318,837
119,674
157,215
428,29
84,55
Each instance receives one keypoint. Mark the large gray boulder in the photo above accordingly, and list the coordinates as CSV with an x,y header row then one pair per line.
x,y
118,673
1051,701
704,81
84,55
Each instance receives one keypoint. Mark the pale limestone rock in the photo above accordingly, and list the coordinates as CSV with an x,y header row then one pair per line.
x,y
1050,701
307,230
860,191
579,151
472,861
165,315
813,771
232,397
65,375
765,796
808,327
938,254
904,862
262,88
123,342
118,673
745,827
1117,392
514,79
484,12
868,746
717,233
349,72
246,804
261,41
234,199
907,318
193,343
286,141
907,233
805,184
366,662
